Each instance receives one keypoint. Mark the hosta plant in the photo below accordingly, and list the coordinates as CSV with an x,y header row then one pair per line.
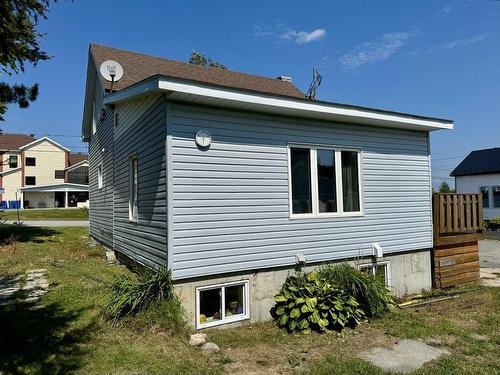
x,y
309,302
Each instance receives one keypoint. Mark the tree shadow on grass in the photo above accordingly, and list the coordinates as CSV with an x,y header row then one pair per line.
x,y
13,233
39,339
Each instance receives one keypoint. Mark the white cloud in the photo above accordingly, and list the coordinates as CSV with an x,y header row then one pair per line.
x,y
447,9
370,52
457,43
282,32
466,41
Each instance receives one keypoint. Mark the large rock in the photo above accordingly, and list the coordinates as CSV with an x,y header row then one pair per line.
x,y
197,339
210,346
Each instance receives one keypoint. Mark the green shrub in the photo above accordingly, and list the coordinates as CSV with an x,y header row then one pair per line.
x,y
165,316
492,224
310,302
131,293
373,296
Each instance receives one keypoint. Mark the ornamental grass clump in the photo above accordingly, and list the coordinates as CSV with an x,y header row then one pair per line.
x,y
370,292
310,302
131,293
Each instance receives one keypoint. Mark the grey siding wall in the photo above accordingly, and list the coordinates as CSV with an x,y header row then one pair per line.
x,y
230,203
101,200
141,131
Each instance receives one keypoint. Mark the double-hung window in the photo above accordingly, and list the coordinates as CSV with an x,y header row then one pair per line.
x,y
133,189
485,192
496,196
324,181
13,161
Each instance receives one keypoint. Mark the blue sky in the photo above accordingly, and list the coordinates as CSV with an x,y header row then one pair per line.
x,y
428,57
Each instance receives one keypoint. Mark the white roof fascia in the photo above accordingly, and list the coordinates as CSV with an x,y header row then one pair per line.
x,y
284,106
56,187
41,140
78,165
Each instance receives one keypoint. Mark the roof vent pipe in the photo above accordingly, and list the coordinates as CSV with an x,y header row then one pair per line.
x,y
285,79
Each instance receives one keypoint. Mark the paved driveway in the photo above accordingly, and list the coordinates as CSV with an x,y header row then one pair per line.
x,y
489,259
489,253
53,223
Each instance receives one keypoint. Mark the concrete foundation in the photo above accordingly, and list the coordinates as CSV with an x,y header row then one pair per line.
x,y
409,273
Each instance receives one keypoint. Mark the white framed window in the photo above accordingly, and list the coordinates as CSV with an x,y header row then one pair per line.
x,y
382,270
324,181
12,161
222,303
99,177
495,192
94,120
133,188
485,192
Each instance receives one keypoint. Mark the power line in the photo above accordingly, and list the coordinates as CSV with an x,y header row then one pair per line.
x,y
451,157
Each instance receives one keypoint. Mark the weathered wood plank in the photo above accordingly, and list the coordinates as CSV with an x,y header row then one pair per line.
x,y
462,214
457,269
474,213
455,250
449,218
455,214
468,225
450,240
456,259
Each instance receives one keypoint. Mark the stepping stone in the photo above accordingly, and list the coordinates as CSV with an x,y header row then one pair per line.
x,y
405,356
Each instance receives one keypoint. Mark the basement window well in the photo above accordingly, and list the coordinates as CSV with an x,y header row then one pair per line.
x,y
221,304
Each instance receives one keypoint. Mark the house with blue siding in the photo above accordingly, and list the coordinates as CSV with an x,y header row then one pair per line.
x,y
232,181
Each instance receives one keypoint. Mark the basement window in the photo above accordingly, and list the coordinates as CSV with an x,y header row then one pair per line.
x,y
381,270
221,304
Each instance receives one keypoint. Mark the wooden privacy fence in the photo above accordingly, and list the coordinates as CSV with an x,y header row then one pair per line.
x,y
458,225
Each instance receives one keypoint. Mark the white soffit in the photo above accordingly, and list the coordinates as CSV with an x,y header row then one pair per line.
x,y
224,97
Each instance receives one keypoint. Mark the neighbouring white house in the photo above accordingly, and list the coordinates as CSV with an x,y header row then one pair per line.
x,y
41,173
232,181
479,172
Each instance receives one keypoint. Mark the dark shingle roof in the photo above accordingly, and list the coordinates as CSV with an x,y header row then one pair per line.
x,y
14,141
479,162
76,158
138,67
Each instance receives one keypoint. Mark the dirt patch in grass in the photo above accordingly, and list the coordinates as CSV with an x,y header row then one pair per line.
x,y
271,351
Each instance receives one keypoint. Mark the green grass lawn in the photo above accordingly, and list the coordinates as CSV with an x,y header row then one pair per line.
x,y
45,214
68,335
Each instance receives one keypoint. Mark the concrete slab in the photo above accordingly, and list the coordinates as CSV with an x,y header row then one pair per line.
x,y
405,356
489,253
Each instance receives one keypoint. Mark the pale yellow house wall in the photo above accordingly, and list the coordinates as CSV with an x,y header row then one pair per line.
x,y
11,183
6,157
49,158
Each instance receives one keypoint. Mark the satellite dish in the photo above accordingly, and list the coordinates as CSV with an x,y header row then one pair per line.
x,y
111,70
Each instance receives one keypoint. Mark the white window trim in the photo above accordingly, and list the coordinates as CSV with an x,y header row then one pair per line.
x,y
100,178
224,319
314,182
493,196
131,182
372,265
94,121
489,190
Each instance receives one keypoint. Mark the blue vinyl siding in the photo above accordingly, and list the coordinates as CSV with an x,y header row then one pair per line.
x,y
230,203
141,131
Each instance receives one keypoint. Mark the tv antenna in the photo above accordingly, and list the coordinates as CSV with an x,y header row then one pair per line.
x,y
111,71
316,81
